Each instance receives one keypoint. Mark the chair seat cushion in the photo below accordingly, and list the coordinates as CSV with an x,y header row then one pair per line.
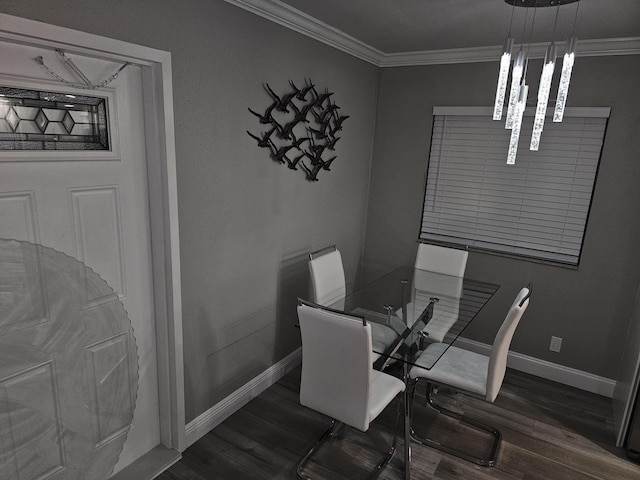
x,y
383,389
458,368
382,337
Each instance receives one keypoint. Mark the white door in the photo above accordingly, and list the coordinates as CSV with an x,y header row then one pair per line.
x,y
92,205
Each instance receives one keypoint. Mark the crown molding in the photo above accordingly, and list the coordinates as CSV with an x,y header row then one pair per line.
x,y
300,22
584,48
289,17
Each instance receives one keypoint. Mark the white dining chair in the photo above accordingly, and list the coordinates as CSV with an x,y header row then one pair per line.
x,y
432,263
469,373
329,289
338,379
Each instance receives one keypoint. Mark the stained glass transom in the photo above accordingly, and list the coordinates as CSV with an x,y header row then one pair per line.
x,y
38,120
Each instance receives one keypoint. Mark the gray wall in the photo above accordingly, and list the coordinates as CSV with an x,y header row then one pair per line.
x,y
590,307
246,223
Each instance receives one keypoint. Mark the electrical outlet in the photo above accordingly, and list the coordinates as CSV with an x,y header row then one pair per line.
x,y
556,344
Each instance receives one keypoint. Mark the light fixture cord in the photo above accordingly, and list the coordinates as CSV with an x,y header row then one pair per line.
x,y
575,20
524,25
526,63
513,7
555,24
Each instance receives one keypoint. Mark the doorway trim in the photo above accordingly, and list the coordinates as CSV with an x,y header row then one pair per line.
x,y
163,197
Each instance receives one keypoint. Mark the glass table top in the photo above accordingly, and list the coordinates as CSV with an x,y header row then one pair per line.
x,y
409,309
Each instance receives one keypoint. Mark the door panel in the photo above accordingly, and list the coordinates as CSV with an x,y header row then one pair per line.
x,y
98,236
94,207
18,214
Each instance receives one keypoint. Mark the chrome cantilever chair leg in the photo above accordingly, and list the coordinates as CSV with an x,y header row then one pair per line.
x,y
495,433
333,427
332,432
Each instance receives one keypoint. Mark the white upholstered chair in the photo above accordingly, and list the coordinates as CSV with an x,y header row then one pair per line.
x,y
471,373
328,288
338,378
440,261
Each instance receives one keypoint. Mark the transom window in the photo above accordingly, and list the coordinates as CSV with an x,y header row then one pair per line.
x,y
39,120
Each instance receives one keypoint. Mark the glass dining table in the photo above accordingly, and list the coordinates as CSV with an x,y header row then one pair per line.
x,y
408,309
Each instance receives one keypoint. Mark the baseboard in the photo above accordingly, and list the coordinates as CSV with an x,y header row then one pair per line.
x,y
548,370
149,465
208,420
201,425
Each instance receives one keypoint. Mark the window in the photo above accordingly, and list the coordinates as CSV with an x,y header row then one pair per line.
x,y
38,120
537,208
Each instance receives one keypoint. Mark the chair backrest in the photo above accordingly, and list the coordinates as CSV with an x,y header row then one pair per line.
x,y
327,277
500,349
336,364
448,290
450,261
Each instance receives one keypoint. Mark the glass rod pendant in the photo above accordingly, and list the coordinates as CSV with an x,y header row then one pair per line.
x,y
517,123
543,95
565,78
503,76
516,76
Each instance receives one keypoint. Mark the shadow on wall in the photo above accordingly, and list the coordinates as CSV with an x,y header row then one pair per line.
x,y
293,283
239,349
235,354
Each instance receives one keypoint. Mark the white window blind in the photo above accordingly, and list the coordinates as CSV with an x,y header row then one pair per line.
x,y
536,208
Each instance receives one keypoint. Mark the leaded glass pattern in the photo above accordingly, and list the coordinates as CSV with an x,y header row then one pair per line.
x,y
39,120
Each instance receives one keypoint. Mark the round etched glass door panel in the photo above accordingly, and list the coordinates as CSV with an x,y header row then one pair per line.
x,y
68,367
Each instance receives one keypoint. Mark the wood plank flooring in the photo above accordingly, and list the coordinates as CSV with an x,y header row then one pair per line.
x,y
550,431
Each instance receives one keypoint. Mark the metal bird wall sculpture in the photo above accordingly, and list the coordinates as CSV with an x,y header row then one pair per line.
x,y
305,123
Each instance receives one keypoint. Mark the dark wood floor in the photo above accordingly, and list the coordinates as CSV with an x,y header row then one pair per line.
x,y
549,432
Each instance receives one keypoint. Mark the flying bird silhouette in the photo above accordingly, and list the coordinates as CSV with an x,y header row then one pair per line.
x,y
292,163
312,174
280,153
326,164
296,142
321,117
301,94
341,119
266,118
264,141
337,125
317,149
286,131
283,132
331,142
319,133
321,98
300,115
281,104
316,158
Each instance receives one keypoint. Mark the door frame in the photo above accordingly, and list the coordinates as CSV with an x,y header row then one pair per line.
x,y
163,196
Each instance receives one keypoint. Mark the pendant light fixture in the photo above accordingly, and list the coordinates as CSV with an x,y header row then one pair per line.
x,y
503,74
544,88
567,67
519,89
520,104
516,77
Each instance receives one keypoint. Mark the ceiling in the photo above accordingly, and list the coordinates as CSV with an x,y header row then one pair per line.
x,y
395,26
